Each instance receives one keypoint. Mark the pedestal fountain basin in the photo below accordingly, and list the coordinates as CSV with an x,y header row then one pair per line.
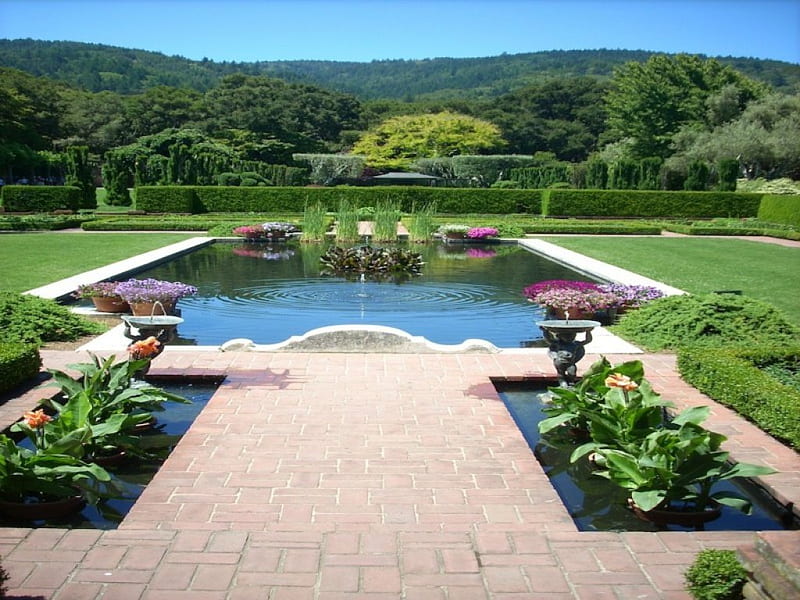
x,y
564,348
160,326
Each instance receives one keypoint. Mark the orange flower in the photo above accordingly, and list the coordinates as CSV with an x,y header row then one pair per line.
x,y
144,348
36,419
624,382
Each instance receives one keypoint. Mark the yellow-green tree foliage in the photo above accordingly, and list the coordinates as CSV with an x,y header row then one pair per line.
x,y
398,141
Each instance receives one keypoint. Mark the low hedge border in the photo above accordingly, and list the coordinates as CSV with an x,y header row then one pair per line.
x,y
579,227
39,222
18,363
169,223
731,376
786,234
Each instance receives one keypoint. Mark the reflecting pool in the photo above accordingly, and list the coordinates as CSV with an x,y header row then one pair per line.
x,y
270,293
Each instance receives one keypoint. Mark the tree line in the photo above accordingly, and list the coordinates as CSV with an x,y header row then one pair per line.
x,y
675,111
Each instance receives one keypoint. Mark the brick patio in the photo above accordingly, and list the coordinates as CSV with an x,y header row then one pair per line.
x,y
370,476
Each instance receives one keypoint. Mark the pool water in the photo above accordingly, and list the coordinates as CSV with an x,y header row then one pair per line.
x,y
597,504
270,293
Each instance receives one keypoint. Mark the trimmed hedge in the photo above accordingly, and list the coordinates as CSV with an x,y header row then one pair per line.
x,y
167,223
199,199
731,376
168,198
18,363
780,209
40,198
786,234
595,227
646,203
40,222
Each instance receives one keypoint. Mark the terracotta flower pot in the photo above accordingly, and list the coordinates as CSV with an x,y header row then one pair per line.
x,y
110,304
145,309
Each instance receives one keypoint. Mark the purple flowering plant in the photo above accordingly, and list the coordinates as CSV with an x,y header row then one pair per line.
x,y
101,289
533,290
632,296
478,233
565,299
154,290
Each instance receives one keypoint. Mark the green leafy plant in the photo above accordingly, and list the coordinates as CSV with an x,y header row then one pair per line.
x,y
677,467
716,575
573,406
109,388
43,474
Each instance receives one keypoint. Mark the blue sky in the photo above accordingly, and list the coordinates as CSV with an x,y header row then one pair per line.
x,y
364,30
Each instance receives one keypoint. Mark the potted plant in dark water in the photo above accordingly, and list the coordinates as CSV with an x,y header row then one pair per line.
x,y
104,296
51,480
669,466
153,296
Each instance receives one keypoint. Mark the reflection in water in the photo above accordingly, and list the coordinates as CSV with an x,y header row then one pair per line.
x,y
455,298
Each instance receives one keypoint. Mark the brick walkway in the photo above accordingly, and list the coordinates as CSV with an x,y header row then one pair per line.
x,y
370,476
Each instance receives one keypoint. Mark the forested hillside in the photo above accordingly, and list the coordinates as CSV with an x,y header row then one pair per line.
x,y
98,68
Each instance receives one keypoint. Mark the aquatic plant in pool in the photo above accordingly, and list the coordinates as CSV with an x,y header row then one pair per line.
x,y
597,504
455,298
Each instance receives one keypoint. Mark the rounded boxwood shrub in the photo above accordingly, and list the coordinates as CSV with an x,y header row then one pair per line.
x,y
716,575
34,320
18,363
705,320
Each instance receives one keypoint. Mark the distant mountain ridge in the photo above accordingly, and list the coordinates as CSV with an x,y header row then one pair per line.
x,y
98,67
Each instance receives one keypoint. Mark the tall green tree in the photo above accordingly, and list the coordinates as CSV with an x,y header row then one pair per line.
x,y
398,141
79,174
564,116
649,102
310,118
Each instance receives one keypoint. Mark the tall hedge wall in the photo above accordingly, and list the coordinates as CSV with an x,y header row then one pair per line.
x,y
780,209
646,203
40,198
199,199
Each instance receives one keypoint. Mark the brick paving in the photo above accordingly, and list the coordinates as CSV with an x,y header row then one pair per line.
x,y
369,476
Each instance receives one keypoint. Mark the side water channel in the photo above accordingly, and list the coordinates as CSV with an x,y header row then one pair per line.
x,y
597,504
133,475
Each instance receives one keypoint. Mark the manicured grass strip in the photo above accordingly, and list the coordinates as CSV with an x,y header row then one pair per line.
x,y
30,260
766,272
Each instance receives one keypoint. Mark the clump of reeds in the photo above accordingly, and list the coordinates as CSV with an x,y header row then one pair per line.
x,y
387,213
422,225
315,223
347,222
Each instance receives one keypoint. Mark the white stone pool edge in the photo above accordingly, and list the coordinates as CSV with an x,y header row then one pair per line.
x,y
603,341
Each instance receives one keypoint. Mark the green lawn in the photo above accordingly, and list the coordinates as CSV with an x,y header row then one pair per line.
x,y
30,260
700,265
